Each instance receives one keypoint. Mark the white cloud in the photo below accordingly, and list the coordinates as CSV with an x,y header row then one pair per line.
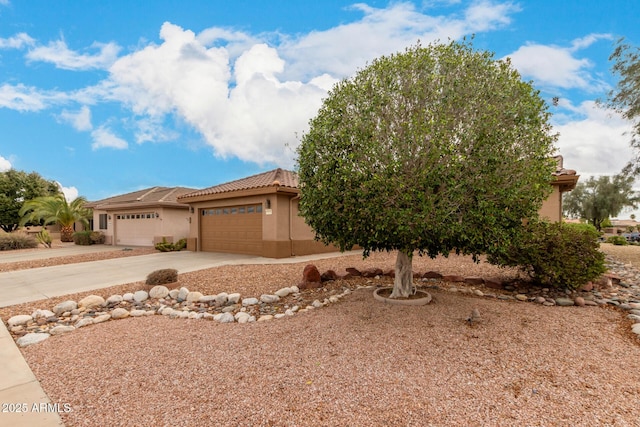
x,y
5,164
104,138
80,120
21,98
70,193
558,66
16,42
4,2
593,142
59,54
248,97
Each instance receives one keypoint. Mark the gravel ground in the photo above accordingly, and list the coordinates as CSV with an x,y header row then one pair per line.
x,y
356,362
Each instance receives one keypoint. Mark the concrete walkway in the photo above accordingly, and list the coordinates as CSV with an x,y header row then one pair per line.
x,y
18,384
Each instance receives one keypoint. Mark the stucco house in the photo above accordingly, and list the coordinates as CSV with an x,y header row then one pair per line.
x,y
258,215
564,180
142,218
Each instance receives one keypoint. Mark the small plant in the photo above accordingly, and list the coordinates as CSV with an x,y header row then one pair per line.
x,y
162,277
17,240
44,238
82,238
165,246
97,237
617,240
556,254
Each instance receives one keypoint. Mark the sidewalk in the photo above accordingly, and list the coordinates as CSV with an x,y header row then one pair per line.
x,y
18,385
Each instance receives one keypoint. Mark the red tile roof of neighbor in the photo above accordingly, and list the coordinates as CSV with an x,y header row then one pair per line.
x,y
277,177
147,196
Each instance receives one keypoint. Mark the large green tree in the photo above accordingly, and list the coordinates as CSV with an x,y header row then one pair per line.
x,y
56,210
625,97
600,198
435,149
15,188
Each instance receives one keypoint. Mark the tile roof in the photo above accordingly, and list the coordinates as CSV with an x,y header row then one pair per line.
x,y
147,196
279,177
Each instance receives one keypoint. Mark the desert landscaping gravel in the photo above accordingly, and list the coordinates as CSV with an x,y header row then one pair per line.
x,y
356,362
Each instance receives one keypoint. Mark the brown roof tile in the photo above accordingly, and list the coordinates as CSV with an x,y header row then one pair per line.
x,y
280,177
153,195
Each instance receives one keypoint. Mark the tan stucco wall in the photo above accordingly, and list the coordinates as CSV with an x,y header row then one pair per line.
x,y
173,224
552,207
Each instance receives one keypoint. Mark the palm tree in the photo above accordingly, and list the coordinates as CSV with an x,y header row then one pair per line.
x,y
56,210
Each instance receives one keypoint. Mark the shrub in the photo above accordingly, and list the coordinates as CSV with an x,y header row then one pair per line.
x,y
97,237
617,240
162,277
165,246
17,240
82,238
44,237
555,254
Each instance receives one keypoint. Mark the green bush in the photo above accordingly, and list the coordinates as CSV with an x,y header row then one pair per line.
x,y
617,240
82,238
165,246
17,240
162,277
97,237
44,238
555,254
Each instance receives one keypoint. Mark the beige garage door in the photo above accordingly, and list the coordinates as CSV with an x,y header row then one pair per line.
x,y
234,229
135,229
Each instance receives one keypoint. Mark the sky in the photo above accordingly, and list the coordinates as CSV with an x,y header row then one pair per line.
x,y
111,97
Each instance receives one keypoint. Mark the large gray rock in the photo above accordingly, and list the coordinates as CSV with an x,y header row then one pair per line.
x,y
564,302
64,307
20,319
85,321
61,329
636,328
91,301
114,299
119,313
233,298
140,296
269,299
182,294
250,301
224,318
32,338
159,292
283,292
193,296
42,313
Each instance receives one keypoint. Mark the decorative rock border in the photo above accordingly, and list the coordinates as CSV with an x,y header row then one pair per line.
x,y
426,299
620,288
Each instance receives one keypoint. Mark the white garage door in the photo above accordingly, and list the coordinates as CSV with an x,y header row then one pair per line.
x,y
135,229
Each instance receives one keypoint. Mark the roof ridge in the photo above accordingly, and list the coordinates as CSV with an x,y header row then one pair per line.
x,y
173,190
151,190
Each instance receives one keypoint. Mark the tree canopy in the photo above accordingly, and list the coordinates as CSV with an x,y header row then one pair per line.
x,y
600,198
15,188
56,210
435,149
625,97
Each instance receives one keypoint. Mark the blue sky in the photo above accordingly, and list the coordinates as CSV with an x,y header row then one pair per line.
x,y
111,97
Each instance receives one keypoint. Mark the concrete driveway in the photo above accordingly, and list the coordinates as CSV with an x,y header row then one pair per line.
x,y
40,283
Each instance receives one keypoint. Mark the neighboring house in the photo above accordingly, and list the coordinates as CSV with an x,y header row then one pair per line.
x,y
142,218
257,215
564,180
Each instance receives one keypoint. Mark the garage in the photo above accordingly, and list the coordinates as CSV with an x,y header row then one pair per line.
x,y
233,229
135,229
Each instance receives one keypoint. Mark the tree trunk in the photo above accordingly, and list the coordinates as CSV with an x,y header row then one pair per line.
x,y
403,282
66,233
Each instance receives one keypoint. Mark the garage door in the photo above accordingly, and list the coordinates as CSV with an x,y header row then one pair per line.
x,y
135,229
234,229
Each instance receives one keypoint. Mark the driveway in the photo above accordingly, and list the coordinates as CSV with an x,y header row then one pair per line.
x,y
34,284
40,283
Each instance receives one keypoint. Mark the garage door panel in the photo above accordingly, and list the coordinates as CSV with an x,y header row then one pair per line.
x,y
224,231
